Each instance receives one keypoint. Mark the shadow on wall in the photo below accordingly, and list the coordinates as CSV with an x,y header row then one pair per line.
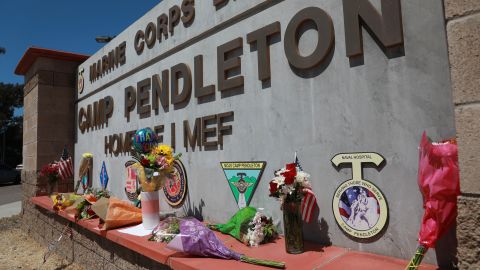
x,y
313,72
446,250
191,210
316,231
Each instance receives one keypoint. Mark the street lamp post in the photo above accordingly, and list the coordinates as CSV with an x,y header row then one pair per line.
x,y
104,39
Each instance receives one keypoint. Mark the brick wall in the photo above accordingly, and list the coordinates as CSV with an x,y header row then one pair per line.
x,y
48,125
84,247
49,114
463,34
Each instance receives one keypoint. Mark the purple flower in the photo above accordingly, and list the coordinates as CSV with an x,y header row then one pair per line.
x,y
196,239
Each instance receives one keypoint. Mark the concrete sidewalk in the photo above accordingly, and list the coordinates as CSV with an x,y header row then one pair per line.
x,y
10,209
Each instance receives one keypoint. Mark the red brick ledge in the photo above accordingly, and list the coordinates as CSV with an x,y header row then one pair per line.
x,y
315,257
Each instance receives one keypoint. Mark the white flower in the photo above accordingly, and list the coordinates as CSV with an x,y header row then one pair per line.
x,y
287,189
255,236
303,179
279,180
279,172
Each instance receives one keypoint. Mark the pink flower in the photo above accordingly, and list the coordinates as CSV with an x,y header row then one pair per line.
x,y
161,162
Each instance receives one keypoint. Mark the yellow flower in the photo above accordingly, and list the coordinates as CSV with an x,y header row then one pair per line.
x,y
163,150
170,160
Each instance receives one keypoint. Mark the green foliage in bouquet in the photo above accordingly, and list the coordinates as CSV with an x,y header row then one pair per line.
x,y
166,230
249,226
84,207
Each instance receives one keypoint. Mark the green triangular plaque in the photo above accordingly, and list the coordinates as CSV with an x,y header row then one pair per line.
x,y
243,178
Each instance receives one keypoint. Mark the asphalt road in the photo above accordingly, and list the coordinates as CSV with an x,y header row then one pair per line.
x,y
10,193
10,200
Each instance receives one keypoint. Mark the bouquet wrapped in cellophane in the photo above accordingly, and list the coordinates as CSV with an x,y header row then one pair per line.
x,y
438,180
190,236
153,167
249,226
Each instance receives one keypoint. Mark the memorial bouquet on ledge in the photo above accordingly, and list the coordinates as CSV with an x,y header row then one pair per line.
x,y
154,162
50,171
438,180
192,237
249,226
159,160
82,208
292,186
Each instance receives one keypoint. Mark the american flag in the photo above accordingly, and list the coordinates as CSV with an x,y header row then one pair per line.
x,y
309,201
308,204
347,199
65,168
297,161
65,154
103,176
65,165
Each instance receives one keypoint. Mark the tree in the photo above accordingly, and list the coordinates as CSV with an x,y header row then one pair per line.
x,y
11,97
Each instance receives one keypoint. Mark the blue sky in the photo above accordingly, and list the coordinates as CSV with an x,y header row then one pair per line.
x,y
63,25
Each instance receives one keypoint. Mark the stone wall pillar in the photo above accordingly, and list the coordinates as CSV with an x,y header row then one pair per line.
x,y
463,32
49,113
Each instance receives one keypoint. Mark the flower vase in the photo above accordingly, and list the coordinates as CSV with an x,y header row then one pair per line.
x,y
292,224
150,209
52,184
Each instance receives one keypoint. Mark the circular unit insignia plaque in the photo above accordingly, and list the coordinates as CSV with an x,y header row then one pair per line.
x,y
360,208
81,81
175,187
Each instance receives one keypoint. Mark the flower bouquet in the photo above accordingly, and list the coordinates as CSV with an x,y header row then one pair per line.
x,y
249,226
290,185
50,171
82,208
438,180
194,238
154,164
63,200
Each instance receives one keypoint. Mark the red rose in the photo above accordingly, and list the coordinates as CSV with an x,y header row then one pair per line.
x,y
273,187
291,167
289,177
290,173
145,162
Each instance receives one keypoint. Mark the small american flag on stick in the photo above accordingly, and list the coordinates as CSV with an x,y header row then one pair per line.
x,y
65,165
308,204
309,201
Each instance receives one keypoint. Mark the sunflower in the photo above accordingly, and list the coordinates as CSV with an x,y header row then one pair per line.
x,y
163,150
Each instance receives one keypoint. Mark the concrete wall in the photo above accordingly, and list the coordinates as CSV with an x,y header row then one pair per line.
x,y
382,106
463,24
